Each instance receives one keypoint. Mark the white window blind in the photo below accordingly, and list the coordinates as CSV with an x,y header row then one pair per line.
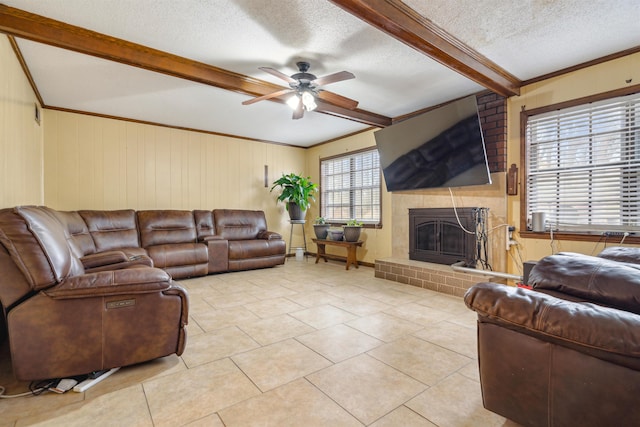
x,y
350,187
583,166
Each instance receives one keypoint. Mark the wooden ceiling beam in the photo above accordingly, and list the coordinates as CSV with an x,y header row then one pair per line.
x,y
406,25
22,24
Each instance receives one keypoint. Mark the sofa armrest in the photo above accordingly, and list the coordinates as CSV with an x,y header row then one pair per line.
x,y
269,235
103,258
113,260
218,251
214,237
604,332
109,283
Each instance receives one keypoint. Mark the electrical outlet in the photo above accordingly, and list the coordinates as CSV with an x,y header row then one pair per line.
x,y
509,237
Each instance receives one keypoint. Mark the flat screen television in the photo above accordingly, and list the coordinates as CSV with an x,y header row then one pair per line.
x,y
443,147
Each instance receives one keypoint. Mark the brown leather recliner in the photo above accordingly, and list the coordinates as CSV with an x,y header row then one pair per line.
x,y
566,353
63,321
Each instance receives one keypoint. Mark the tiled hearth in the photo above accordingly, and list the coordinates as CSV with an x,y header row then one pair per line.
x,y
436,277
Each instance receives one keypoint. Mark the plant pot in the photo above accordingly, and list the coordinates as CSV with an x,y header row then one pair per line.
x,y
351,233
321,230
336,234
295,213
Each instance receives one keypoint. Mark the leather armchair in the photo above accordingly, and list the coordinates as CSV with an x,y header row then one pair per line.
x,y
566,353
63,321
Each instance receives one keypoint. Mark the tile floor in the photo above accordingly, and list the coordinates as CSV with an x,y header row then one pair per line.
x,y
296,345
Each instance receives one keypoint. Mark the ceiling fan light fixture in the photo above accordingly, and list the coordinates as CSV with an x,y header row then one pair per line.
x,y
293,102
309,101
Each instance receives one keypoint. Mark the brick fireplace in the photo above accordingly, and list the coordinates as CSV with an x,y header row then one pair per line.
x,y
438,277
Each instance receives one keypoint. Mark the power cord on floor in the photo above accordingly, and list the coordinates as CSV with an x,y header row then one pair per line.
x,y
35,389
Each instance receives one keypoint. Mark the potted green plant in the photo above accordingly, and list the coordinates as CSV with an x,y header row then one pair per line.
x,y
321,228
352,230
297,192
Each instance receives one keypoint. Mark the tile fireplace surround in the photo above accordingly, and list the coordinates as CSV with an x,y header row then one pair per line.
x,y
436,277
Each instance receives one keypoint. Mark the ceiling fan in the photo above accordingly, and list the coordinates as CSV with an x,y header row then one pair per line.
x,y
306,90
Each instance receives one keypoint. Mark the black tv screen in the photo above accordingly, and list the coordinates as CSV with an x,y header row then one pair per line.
x,y
443,147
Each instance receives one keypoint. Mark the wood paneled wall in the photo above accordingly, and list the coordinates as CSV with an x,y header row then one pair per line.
x,y
99,163
21,136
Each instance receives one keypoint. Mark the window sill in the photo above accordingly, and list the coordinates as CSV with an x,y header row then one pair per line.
x,y
580,237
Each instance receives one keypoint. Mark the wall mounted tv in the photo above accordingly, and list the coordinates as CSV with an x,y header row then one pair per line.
x,y
443,147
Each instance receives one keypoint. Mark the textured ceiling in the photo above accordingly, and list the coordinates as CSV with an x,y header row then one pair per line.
x,y
527,38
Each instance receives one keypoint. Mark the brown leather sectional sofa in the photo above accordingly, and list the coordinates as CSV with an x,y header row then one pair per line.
x,y
567,352
84,291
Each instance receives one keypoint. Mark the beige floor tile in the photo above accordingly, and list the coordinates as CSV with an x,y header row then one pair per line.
x,y
272,292
393,297
451,336
295,404
446,303
456,401
361,306
274,329
222,318
47,403
199,392
271,366
471,371
272,307
235,287
339,342
404,417
216,345
347,291
212,420
322,316
417,313
314,298
336,322
231,300
366,387
384,326
128,376
124,407
419,359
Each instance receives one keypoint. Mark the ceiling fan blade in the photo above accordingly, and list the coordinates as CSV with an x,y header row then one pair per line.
x,y
299,111
267,96
278,74
339,100
333,78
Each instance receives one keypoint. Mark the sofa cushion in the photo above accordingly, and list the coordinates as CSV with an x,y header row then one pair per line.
x,y
161,227
595,279
236,224
622,254
243,249
204,224
112,230
176,254
77,232
38,245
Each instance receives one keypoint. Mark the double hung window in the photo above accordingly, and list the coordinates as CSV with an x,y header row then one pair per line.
x,y
350,187
583,165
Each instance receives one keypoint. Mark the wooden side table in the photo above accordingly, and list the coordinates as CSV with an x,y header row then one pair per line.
x,y
351,250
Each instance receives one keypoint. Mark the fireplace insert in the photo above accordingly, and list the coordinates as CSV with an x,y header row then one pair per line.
x,y
436,235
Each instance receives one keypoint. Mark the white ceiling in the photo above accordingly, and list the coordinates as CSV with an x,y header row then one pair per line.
x,y
527,38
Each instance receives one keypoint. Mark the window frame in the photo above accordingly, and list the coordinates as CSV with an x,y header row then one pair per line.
x,y
366,224
597,235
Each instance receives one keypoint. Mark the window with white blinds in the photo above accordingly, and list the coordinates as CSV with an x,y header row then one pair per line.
x,y
583,166
350,187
